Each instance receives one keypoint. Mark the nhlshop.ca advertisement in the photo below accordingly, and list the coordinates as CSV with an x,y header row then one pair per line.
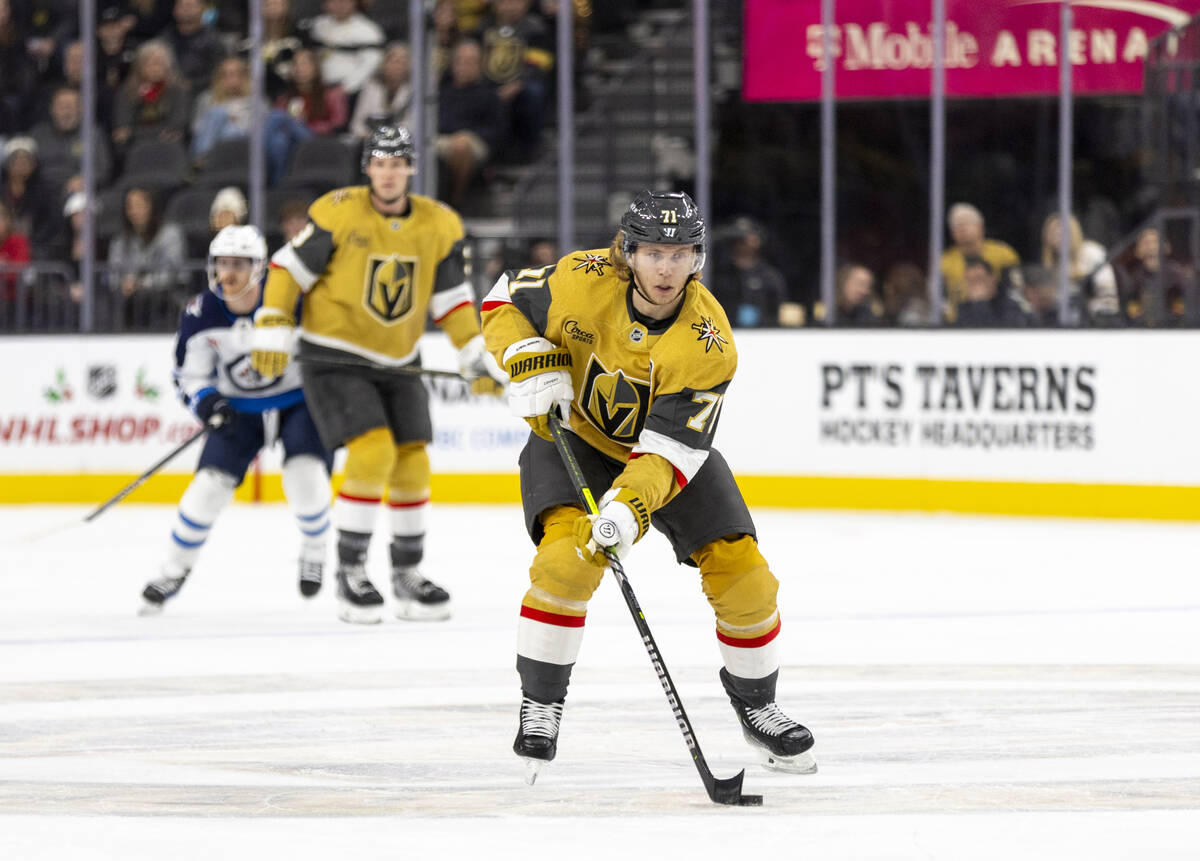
x,y
107,405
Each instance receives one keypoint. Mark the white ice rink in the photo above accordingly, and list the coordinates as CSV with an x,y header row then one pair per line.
x,y
978,688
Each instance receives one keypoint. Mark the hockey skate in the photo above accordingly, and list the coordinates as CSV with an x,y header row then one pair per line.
x,y
311,571
418,599
781,743
158,591
537,736
358,599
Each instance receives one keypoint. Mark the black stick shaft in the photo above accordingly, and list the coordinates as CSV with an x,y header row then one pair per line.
x,y
727,791
372,366
141,479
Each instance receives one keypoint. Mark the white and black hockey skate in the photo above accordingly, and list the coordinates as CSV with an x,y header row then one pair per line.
x,y
537,736
157,592
418,599
358,599
782,744
311,572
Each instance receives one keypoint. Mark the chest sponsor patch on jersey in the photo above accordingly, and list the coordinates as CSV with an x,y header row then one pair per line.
x,y
615,403
389,286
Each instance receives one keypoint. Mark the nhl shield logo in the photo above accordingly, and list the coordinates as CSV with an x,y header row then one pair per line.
x,y
102,381
389,288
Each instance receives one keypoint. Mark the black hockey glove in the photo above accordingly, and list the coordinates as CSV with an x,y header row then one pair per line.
x,y
216,411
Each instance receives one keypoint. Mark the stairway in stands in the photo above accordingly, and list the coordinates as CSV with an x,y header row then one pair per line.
x,y
635,132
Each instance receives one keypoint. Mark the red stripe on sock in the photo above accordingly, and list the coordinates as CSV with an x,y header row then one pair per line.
x,y
750,644
407,504
552,618
367,499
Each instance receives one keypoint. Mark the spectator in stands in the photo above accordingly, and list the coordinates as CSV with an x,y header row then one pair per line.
x,y
32,207
75,215
1140,278
1040,294
967,230
14,255
60,146
224,110
542,252
16,75
984,304
146,257
387,97
228,208
518,54
145,19
114,57
854,296
321,107
446,34
749,288
1090,276
281,41
293,215
905,296
351,45
470,120
151,104
68,74
51,25
196,45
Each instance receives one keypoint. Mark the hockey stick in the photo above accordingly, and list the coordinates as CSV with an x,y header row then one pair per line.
x,y
141,479
722,791
47,531
373,366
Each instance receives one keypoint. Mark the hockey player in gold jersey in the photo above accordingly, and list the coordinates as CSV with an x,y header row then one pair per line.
x,y
635,355
371,262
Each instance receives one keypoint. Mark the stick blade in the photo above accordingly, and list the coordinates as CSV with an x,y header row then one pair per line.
x,y
729,791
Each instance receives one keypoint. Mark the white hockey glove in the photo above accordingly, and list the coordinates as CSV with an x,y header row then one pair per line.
x,y
477,365
622,521
539,380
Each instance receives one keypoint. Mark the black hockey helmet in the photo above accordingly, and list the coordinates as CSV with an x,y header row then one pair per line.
x,y
389,141
666,217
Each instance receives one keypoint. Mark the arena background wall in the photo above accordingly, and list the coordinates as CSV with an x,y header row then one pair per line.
x,y
1074,424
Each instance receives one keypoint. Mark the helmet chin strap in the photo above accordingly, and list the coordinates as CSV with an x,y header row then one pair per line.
x,y
239,294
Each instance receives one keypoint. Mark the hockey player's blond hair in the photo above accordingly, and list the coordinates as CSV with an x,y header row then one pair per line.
x,y
616,256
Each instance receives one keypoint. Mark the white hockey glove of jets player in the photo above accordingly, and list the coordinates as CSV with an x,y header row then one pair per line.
x,y
539,380
272,344
622,521
477,365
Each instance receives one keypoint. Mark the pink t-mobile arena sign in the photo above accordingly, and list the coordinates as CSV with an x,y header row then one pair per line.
x,y
884,48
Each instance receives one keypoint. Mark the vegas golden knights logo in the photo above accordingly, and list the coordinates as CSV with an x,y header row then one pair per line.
x,y
390,285
615,403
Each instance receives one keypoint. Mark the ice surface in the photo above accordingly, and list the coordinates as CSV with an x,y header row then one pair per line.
x,y
979,688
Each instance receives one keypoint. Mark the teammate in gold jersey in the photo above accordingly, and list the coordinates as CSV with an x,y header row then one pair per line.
x,y
635,355
371,262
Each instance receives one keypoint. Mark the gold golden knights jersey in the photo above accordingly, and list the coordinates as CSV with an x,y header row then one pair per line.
x,y
638,390
369,279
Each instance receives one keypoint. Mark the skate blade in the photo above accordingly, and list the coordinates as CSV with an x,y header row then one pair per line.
x,y
533,768
150,608
801,763
309,588
415,611
357,615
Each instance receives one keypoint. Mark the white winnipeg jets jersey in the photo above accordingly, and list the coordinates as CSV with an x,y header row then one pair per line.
x,y
212,354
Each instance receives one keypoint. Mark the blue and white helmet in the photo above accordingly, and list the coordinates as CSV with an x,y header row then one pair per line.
x,y
237,240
